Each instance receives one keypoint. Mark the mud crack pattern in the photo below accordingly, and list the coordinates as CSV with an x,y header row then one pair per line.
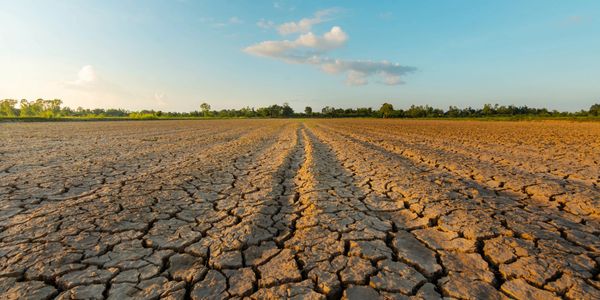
x,y
323,209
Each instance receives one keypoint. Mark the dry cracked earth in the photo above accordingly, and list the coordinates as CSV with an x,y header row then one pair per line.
x,y
324,209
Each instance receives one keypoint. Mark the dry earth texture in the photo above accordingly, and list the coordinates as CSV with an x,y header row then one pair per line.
x,y
267,209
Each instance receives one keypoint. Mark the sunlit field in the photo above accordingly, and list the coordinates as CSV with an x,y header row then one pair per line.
x,y
310,209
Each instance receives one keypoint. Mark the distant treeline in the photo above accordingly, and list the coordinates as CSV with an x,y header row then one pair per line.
x,y
53,109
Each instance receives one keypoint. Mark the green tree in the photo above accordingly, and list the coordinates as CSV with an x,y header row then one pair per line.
x,y
416,111
594,110
55,106
205,108
263,112
453,112
247,112
38,107
487,110
26,110
275,111
7,108
386,110
48,108
328,111
286,110
308,111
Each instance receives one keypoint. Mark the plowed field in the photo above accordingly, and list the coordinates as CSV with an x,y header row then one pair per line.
x,y
268,209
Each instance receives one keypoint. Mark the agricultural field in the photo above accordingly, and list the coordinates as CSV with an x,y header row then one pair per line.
x,y
306,209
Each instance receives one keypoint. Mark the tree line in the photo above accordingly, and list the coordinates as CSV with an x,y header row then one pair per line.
x,y
41,108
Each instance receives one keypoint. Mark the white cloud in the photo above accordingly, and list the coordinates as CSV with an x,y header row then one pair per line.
x,y
305,25
332,39
309,49
93,90
335,38
86,79
358,70
85,76
391,79
356,78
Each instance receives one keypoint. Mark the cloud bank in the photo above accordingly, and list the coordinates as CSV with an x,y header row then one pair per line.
x,y
311,49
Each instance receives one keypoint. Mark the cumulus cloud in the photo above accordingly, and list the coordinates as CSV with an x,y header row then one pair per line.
x,y
311,49
85,76
305,25
308,42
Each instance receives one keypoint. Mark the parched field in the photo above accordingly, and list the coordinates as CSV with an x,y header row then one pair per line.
x,y
269,209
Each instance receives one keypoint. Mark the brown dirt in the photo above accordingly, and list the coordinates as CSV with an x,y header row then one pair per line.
x,y
355,209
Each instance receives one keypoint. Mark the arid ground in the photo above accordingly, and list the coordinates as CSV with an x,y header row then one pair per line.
x,y
301,209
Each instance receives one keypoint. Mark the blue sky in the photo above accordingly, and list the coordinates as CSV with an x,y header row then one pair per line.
x,y
173,55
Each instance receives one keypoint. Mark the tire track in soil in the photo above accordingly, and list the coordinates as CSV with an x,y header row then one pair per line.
x,y
258,201
342,246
